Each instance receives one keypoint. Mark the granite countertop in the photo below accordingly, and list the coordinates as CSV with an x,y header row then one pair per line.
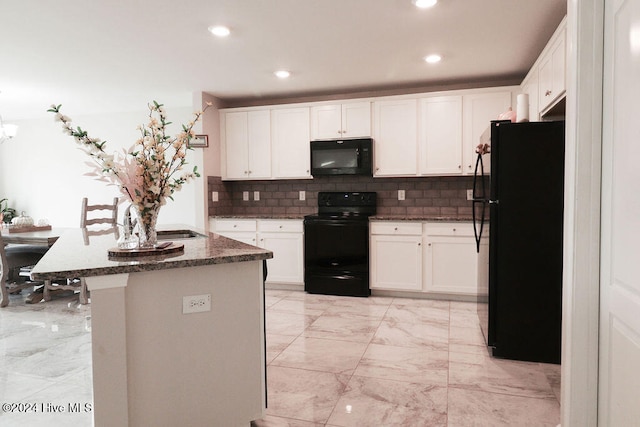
x,y
70,257
438,218
260,216
435,218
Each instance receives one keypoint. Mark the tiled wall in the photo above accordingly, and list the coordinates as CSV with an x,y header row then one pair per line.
x,y
445,196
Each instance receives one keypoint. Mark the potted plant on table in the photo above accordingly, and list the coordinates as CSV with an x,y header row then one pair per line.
x,y
6,213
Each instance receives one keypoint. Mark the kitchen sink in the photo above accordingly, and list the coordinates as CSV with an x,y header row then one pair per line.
x,y
178,234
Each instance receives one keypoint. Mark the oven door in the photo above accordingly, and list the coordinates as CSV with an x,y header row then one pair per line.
x,y
336,256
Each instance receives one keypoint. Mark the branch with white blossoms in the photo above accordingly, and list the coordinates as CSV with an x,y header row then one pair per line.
x,y
144,173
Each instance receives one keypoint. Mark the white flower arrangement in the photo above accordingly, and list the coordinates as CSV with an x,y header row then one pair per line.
x,y
146,173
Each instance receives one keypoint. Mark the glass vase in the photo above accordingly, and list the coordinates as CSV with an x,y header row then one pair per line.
x,y
147,233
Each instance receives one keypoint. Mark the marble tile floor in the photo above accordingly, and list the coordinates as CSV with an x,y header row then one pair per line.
x,y
332,361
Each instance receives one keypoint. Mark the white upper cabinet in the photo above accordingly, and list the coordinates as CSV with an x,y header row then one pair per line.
x,y
478,111
348,120
551,73
247,144
290,143
396,137
440,148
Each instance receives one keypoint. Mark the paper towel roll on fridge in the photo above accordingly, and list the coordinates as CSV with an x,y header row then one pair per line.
x,y
522,108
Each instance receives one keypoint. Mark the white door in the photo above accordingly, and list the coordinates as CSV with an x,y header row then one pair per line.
x,y
619,378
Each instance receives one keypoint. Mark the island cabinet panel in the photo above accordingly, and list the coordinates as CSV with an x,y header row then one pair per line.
x,y
396,137
206,367
440,149
290,136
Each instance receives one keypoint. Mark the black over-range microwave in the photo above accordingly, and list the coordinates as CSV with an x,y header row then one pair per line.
x,y
342,157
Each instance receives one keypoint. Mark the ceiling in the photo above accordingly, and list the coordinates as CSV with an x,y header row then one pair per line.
x,y
93,56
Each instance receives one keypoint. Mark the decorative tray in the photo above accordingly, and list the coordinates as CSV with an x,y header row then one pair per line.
x,y
164,248
27,228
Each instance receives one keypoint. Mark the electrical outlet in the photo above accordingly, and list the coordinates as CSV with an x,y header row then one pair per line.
x,y
401,194
469,194
214,196
196,303
256,195
302,195
245,196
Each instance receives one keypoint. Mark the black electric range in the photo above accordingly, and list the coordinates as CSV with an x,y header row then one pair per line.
x,y
336,243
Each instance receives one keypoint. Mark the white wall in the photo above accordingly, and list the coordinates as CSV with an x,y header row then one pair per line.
x,y
41,169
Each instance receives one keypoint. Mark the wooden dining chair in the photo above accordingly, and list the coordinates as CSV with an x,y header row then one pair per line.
x,y
94,220
12,258
88,217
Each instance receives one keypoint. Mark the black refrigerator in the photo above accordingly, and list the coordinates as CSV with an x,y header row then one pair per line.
x,y
518,219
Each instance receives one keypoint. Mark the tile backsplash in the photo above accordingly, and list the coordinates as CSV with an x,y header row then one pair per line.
x,y
445,196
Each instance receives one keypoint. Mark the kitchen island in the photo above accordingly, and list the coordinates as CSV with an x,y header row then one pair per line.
x,y
153,364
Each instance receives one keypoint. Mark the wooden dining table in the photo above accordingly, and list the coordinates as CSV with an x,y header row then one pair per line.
x,y
38,238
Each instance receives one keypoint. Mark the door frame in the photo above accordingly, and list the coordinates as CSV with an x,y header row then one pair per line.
x,y
581,277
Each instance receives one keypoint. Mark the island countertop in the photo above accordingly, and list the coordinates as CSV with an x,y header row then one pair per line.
x,y
70,256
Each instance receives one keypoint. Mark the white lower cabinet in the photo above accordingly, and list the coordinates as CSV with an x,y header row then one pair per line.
x,y
396,256
283,237
243,230
423,257
450,259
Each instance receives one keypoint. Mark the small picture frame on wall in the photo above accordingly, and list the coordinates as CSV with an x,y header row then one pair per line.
x,y
200,141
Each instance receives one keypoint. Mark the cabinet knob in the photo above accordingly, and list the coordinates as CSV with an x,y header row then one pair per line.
x,y
419,244
547,93
429,244
459,166
234,225
280,227
245,172
395,228
454,230
469,166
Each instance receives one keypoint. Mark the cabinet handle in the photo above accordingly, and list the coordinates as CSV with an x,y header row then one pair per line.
x,y
547,93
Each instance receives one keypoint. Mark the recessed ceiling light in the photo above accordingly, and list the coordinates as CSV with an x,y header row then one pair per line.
x,y
424,4
219,30
432,59
282,74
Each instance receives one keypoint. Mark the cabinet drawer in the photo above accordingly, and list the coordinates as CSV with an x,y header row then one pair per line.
x,y
274,226
397,228
236,225
449,229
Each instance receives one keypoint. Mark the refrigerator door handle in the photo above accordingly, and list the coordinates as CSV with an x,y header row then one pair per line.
x,y
494,202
